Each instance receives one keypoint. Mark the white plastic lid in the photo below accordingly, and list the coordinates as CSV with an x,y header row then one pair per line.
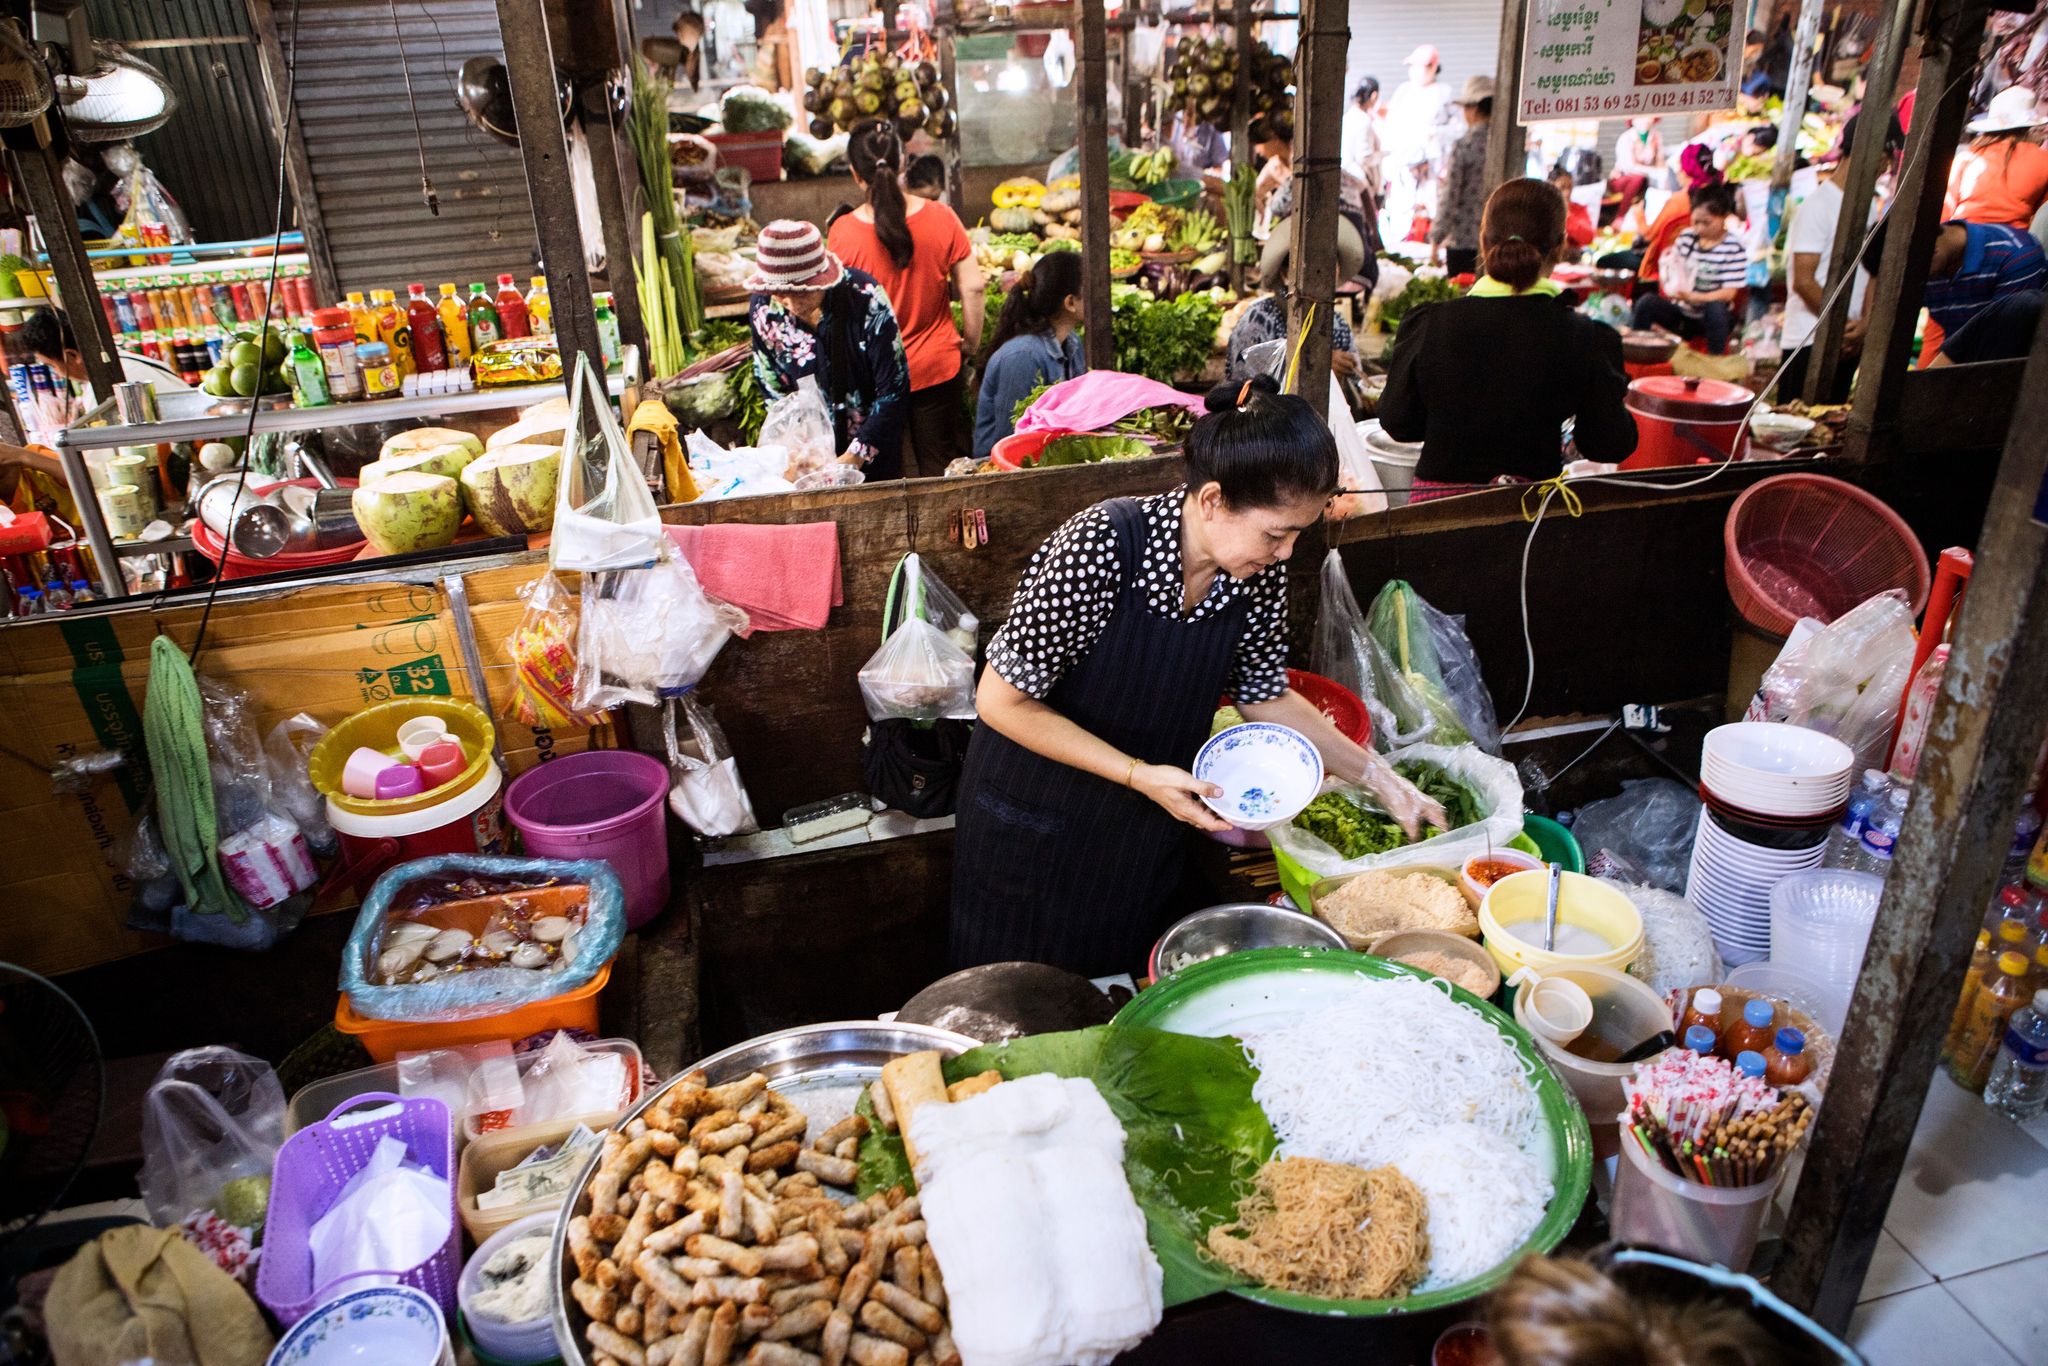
x,y
1707,1001
2041,1000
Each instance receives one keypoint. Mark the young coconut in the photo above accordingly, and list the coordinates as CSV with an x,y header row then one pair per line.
x,y
409,510
426,438
511,490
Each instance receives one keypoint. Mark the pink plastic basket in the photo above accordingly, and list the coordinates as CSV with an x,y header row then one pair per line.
x,y
1805,545
312,1167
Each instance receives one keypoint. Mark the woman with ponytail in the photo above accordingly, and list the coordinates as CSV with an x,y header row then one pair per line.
x,y
1487,382
1034,344
917,250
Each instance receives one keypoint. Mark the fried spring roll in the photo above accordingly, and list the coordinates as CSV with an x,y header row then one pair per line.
x,y
790,1254
878,1096
615,1171
613,1343
824,1292
629,1319
931,1285
582,1247
718,1140
853,1291
600,1304
734,1289
776,1155
904,1268
908,1307
725,1330
755,1320
872,1351
637,1228
760,1217
882,1321
731,1205
737,1093
853,1126
973,1086
717,1119
667,1240
689,1351
911,1081
901,1212
848,1150
654,1325
607,1225
755,1110
857,1216
832,1343
779,1354
781,1129
745,1260
799,1322
943,1350
663,1181
908,1235
836,1171
831,1252
655,1271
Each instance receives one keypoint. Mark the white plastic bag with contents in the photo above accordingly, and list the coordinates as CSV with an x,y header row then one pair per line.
x,y
604,516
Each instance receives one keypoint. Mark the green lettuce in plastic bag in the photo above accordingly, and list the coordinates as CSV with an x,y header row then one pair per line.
x,y
1434,657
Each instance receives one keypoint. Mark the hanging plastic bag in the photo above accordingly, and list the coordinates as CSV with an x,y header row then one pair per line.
x,y
604,516
705,790
1919,711
921,673
915,591
1358,479
286,751
1845,679
211,1125
1345,652
1496,791
1432,653
542,648
801,424
648,633
1651,825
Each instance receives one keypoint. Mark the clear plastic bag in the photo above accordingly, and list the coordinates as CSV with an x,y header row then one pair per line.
x,y
542,648
1345,652
286,751
648,633
915,591
212,1123
604,516
801,424
1678,943
1493,783
1431,652
1650,825
1919,711
705,790
919,674
1847,678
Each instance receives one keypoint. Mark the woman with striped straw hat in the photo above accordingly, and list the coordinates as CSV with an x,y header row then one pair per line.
x,y
814,317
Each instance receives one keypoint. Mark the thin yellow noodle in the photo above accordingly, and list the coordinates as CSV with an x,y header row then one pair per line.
x,y
1328,1230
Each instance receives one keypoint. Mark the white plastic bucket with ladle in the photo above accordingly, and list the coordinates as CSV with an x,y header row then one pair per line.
x,y
1625,1012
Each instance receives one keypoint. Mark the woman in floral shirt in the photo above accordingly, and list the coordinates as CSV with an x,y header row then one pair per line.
x,y
812,316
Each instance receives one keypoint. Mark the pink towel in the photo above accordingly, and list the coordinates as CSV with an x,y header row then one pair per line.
x,y
1091,402
785,577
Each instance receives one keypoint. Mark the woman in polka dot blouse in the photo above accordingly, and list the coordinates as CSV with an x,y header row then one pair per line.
x,y
1128,624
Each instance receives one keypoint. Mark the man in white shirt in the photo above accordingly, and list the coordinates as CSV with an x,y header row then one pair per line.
x,y
1809,245
47,335
1362,147
1417,132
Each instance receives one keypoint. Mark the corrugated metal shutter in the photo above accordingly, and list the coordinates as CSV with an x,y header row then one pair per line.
x,y
217,155
359,139
1466,34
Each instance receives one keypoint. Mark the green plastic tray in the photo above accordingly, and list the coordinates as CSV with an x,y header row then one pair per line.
x,y
1571,1141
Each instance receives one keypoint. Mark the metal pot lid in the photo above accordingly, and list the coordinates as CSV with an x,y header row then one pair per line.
x,y
999,1001
1688,398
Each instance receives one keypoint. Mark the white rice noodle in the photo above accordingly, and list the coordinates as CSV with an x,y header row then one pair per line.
x,y
1483,1197
1361,1081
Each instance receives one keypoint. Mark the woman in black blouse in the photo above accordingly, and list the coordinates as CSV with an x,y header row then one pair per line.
x,y
1128,624
1487,382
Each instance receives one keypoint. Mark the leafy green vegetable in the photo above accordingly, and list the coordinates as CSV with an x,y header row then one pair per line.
x,y
1089,449
1420,289
1164,339
1355,830
1400,622
1053,244
1193,1135
750,109
1459,802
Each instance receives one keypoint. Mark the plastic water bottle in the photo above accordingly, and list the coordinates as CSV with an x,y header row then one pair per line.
x,y
1845,838
2018,1088
1881,833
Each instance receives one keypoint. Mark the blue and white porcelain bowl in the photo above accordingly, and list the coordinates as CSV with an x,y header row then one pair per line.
x,y
385,1325
1268,773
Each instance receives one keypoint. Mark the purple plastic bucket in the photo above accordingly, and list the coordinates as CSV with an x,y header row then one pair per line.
x,y
602,803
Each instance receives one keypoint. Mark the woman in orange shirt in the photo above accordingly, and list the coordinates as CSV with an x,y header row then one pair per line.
x,y
917,250
1696,167
2000,177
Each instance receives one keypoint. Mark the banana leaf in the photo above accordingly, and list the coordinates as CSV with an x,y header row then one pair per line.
x,y
1193,1135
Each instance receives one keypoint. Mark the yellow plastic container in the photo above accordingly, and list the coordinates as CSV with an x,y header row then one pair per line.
x,y
1583,902
377,728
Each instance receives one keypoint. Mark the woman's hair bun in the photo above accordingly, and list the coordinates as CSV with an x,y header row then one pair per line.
x,y
1224,397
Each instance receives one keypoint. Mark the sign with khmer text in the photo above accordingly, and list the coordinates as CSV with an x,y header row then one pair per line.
x,y
1588,59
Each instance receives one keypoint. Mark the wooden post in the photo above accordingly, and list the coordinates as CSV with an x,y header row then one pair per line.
x,y
1948,57
1798,82
1318,133
298,168
1983,736
1507,146
1241,114
1867,160
530,71
1091,74
40,171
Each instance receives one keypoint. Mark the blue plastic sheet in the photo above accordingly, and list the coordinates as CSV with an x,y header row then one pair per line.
x,y
481,991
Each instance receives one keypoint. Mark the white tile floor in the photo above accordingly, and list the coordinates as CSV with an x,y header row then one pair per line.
x,y
1961,1270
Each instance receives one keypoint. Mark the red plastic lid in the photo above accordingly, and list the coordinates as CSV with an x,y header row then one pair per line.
x,y
330,317
1689,398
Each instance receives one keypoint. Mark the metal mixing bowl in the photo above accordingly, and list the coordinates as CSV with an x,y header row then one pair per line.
x,y
1233,928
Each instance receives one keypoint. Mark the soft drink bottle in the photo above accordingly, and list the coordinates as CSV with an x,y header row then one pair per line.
x,y
540,310
485,326
607,329
1848,832
1881,832
512,308
454,326
428,350
2018,1088
1974,1041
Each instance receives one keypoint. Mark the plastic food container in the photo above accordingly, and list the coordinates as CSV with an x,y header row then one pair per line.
x,y
1584,903
1623,1008
316,1100
386,1039
625,1048
1684,420
1656,1208
1401,944
492,1153
517,1344
1475,889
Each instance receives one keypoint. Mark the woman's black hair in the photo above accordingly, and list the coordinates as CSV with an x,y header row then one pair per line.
x,y
1520,229
1717,199
47,333
1368,86
1035,299
1485,107
1261,447
876,155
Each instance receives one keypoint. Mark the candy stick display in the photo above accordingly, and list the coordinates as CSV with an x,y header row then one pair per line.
x,y
1704,1121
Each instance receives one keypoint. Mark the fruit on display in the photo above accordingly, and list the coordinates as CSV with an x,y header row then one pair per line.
x,y
256,361
878,84
434,450
1204,77
1018,192
511,490
410,510
1144,168
543,424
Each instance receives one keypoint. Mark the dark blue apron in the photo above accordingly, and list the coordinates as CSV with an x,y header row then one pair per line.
x,y
1053,865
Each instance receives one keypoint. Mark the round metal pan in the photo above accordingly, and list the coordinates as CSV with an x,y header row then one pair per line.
x,y
820,1068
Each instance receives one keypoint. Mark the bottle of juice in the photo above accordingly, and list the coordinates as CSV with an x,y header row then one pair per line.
x,y
362,317
454,326
1785,1061
309,373
1753,1032
1973,1047
1703,1013
428,352
1981,961
540,313
393,328
512,308
607,329
485,326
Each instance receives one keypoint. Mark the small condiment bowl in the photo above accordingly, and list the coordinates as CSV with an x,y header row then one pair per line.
x,y
1512,860
1400,945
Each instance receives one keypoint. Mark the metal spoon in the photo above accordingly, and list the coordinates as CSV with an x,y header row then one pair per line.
x,y
1550,909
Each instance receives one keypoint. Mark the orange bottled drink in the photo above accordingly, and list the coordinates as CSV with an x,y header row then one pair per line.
x,y
1973,1045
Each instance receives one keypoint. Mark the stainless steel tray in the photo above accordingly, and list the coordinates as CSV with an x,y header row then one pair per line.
x,y
821,1068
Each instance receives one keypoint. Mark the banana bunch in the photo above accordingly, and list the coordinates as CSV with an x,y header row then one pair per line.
x,y
1152,168
1198,232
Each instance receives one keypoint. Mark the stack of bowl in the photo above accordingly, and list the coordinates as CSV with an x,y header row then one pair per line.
x,y
1770,792
1820,925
